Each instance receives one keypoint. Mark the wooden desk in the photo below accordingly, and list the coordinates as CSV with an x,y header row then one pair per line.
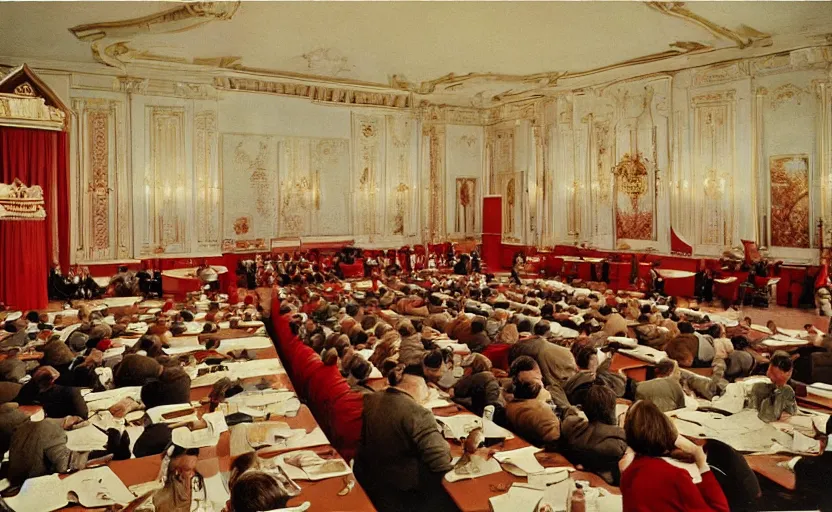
x,y
634,368
472,495
815,401
766,465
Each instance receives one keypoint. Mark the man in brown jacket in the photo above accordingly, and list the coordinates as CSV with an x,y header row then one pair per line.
x,y
557,364
531,418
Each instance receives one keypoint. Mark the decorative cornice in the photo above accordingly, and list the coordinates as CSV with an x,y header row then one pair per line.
x,y
318,93
19,202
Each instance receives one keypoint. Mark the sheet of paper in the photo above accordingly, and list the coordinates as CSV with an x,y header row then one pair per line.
x,y
493,431
156,414
645,353
105,399
557,495
805,444
216,491
475,468
458,427
116,302
517,499
313,467
67,331
202,438
98,487
250,343
548,477
38,415
86,439
522,458
41,494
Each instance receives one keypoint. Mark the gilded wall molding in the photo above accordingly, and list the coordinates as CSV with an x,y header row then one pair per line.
x,y
317,93
102,182
207,176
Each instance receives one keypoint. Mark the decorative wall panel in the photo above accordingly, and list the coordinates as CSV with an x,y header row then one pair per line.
x,y
400,180
102,184
368,173
789,178
713,166
314,178
434,140
332,207
464,168
250,192
167,179
207,177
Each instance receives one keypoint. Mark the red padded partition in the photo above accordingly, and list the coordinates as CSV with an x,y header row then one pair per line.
x,y
492,215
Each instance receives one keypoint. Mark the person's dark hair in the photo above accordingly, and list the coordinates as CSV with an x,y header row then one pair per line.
x,y
808,326
433,359
360,369
368,322
256,491
360,338
583,353
434,300
605,310
782,361
502,304
648,431
352,309
714,331
664,367
569,324
525,389
599,404
685,328
396,374
542,327
521,364
524,325
646,309
33,316
478,325
548,309
739,342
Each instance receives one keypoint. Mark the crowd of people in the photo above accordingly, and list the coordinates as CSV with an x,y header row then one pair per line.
x,y
535,356
539,356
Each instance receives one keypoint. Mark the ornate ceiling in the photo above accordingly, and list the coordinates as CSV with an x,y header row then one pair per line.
x,y
462,53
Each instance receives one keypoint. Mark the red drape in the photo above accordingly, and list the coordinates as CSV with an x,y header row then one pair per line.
x,y
35,157
23,264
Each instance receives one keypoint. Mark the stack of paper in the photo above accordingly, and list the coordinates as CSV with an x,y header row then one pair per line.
x,y
459,426
476,467
519,498
95,488
308,465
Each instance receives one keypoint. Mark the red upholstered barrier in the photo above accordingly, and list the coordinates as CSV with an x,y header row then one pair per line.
x,y
498,354
337,409
354,271
619,274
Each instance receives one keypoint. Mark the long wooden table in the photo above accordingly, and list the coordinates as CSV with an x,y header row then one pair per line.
x,y
322,495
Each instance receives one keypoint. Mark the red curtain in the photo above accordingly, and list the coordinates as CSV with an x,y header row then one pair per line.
x,y
23,267
35,157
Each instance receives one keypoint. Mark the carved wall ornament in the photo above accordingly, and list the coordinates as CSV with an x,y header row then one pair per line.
x,y
714,97
315,92
786,93
742,37
721,73
19,202
770,64
25,89
108,39
207,177
99,186
326,61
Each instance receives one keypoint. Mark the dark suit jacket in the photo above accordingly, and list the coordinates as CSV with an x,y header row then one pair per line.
x,y
400,443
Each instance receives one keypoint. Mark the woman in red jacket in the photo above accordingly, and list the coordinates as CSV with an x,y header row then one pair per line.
x,y
649,482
